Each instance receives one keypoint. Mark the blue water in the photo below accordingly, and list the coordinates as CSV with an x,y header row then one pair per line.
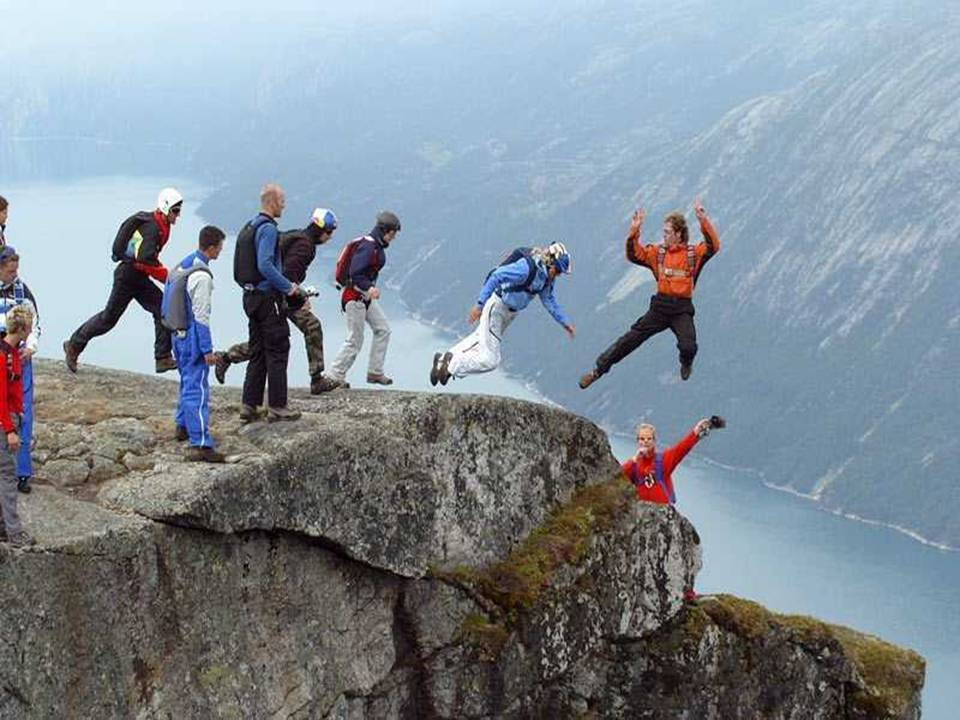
x,y
769,546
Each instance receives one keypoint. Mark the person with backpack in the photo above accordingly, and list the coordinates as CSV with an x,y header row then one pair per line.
x,y
14,293
524,274
186,312
297,250
266,292
136,250
19,325
676,265
358,268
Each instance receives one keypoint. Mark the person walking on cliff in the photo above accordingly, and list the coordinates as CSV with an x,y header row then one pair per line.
x,y
186,311
524,274
676,265
136,250
19,325
358,268
13,293
297,250
256,268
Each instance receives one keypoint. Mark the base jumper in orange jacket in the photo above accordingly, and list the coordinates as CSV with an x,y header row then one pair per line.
x,y
676,265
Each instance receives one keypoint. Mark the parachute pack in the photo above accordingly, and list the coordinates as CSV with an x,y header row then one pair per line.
x,y
121,243
513,256
245,270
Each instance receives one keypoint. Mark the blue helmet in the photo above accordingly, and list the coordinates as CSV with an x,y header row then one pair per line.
x,y
324,219
559,257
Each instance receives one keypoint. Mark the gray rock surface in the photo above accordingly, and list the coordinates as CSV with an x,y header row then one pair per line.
x,y
511,577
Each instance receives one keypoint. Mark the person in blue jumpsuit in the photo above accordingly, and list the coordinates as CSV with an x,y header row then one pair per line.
x,y
186,311
13,292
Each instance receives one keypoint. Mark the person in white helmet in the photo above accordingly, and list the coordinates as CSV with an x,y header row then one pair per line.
x,y
297,249
509,288
136,250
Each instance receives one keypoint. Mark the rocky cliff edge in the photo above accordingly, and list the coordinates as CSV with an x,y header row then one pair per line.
x,y
389,555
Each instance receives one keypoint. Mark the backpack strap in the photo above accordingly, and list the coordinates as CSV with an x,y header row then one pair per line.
x,y
692,263
661,481
661,258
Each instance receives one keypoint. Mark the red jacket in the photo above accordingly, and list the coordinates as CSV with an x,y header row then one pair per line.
x,y
639,470
148,255
11,387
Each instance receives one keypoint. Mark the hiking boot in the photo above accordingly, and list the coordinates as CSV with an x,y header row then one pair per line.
x,y
181,434
280,414
220,367
324,384
21,539
23,484
70,355
204,454
251,414
443,372
685,370
166,363
588,379
378,379
435,370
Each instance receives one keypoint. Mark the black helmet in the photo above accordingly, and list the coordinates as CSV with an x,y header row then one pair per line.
x,y
388,221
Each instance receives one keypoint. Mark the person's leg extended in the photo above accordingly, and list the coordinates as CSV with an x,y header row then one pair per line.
x,y
356,315
381,338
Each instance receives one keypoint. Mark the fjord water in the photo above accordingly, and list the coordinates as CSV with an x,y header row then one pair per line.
x,y
758,543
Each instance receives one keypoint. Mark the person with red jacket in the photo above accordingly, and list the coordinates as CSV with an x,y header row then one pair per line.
x,y
650,472
19,324
676,265
138,266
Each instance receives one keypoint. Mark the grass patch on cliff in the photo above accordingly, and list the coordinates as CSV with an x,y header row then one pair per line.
x,y
517,582
892,675
489,637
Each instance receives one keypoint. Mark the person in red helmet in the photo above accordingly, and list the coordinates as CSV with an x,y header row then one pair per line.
x,y
136,250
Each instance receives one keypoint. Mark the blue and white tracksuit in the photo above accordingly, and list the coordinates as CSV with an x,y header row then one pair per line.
x,y
479,352
189,347
17,293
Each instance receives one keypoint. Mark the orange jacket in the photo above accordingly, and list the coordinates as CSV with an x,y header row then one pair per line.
x,y
677,279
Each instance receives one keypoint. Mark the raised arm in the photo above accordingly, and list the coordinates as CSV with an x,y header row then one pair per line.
x,y
711,240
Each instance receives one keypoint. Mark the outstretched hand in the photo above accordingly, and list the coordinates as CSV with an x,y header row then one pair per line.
x,y
702,428
571,330
474,315
636,222
698,209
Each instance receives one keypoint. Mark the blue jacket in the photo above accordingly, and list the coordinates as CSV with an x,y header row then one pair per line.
x,y
515,274
199,294
268,259
367,262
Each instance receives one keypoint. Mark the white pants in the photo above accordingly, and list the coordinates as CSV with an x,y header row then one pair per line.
x,y
358,314
479,352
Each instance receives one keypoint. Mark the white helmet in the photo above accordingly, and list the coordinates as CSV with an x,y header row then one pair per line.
x,y
167,198
559,257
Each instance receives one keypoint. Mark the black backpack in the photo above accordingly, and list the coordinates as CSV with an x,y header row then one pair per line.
x,y
527,254
127,228
245,270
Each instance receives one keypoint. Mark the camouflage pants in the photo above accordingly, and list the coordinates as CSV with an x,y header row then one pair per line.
x,y
308,324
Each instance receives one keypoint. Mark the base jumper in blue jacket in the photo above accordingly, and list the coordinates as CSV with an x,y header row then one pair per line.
x,y
508,289
186,310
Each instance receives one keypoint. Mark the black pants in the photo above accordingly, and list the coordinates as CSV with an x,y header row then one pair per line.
x,y
269,341
664,312
128,284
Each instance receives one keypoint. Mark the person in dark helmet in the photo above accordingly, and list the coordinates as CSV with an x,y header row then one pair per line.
x,y
136,250
297,250
676,265
360,302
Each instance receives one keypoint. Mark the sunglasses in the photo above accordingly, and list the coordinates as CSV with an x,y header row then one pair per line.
x,y
175,210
